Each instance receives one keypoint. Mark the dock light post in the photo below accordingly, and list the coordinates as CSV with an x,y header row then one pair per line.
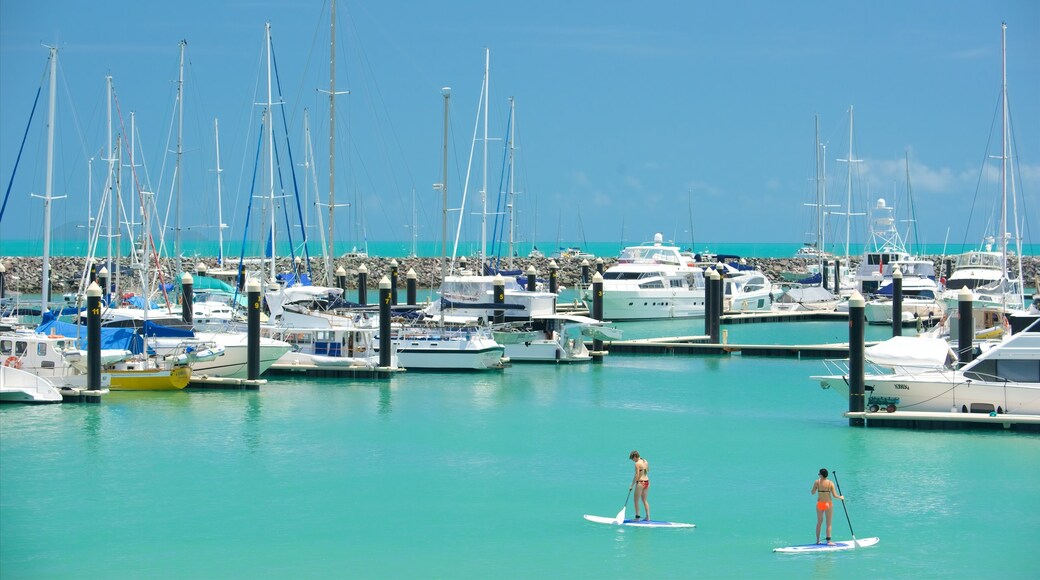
x,y
897,301
188,298
857,321
411,286
824,278
714,313
393,282
253,330
532,279
599,265
499,284
341,279
103,283
837,277
463,264
965,326
93,337
554,272
584,272
201,269
384,322
92,276
362,285
3,281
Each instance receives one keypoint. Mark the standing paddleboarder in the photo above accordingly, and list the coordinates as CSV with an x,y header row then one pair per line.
x,y
824,488
641,482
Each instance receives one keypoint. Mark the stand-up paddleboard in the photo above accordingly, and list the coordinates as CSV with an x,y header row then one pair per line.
x,y
637,523
836,547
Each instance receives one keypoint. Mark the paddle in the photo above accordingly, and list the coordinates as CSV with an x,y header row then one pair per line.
x,y
621,514
855,544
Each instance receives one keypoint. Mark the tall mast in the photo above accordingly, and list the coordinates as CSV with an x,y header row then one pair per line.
x,y
483,188
270,153
848,190
220,210
820,245
443,185
1003,155
48,197
332,137
180,153
512,175
111,170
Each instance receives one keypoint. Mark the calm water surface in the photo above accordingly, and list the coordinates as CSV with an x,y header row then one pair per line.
x,y
488,475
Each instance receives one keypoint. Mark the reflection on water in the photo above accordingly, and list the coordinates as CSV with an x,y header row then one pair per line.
x,y
251,418
384,399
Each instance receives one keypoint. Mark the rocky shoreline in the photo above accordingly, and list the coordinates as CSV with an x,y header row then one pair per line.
x,y
23,273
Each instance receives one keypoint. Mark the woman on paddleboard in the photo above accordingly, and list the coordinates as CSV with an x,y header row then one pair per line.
x,y
824,488
641,483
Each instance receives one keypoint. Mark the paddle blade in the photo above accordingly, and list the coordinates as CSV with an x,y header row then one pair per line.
x,y
620,515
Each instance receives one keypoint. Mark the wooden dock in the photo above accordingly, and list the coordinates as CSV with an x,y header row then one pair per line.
x,y
358,372
921,420
699,345
204,382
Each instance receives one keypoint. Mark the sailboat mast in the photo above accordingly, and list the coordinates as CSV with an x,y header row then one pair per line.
x,y
512,175
1003,154
332,134
819,195
483,188
848,194
46,280
270,152
180,153
446,91
111,156
220,210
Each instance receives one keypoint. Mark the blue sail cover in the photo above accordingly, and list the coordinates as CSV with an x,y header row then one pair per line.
x,y
153,329
811,280
111,338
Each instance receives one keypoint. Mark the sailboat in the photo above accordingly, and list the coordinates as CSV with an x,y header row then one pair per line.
x,y
807,291
986,272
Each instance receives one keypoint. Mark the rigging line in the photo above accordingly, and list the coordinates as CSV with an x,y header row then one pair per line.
x,y
502,179
292,170
363,57
21,148
249,209
137,187
982,174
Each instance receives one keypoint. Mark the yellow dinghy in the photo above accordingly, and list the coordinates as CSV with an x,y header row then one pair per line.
x,y
149,379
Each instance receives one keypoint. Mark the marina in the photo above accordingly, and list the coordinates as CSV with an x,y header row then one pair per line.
x,y
341,352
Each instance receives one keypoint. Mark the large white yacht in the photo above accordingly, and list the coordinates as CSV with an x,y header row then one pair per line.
x,y
657,280
1004,379
653,281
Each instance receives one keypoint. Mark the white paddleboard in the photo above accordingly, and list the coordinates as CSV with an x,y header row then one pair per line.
x,y
638,523
836,547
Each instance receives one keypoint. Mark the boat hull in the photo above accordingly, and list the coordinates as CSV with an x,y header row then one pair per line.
x,y
150,379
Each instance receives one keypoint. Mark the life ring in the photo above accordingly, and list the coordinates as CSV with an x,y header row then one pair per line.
x,y
13,362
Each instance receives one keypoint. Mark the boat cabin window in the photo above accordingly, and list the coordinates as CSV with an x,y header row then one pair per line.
x,y
5,347
41,349
677,283
20,347
1018,370
621,275
652,284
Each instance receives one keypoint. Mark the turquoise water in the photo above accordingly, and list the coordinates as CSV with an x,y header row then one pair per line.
x,y
488,475
78,247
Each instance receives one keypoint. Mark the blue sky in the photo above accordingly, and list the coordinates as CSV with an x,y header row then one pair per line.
x,y
627,117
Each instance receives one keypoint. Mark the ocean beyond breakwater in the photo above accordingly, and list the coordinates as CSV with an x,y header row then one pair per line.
x,y
23,273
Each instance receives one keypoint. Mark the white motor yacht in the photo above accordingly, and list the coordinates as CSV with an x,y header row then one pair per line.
x,y
1003,379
